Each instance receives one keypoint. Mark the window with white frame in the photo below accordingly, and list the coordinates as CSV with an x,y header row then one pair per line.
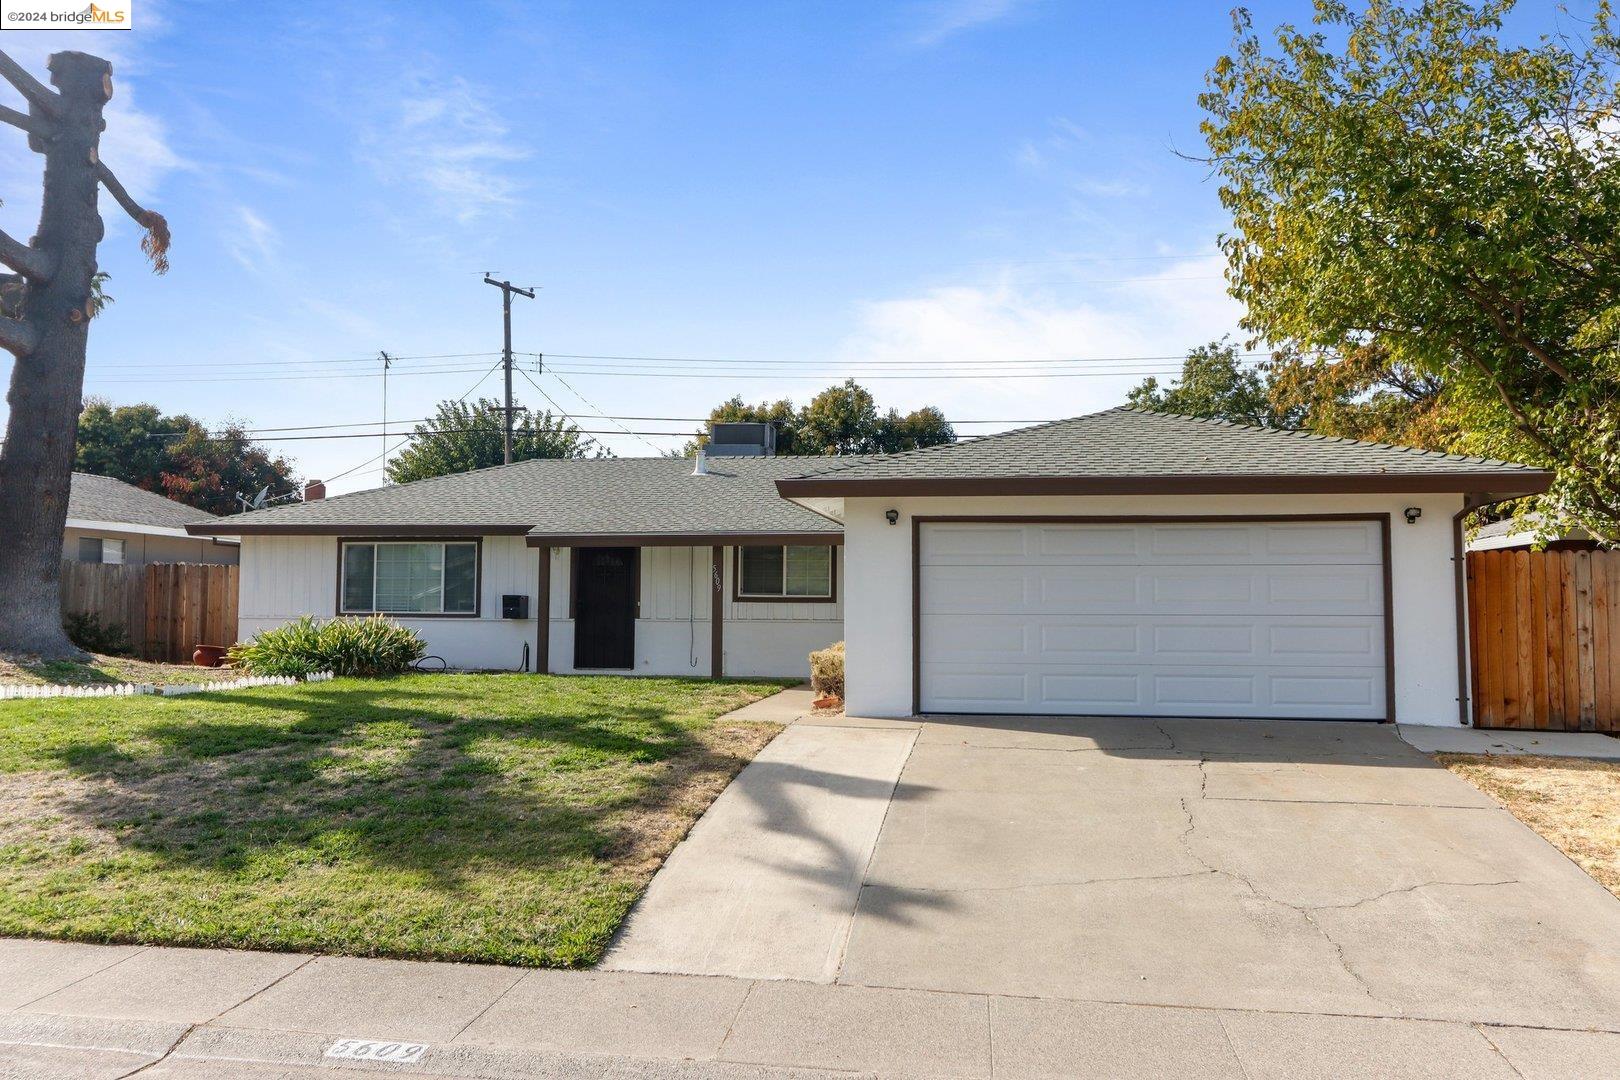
x,y
785,571
99,549
399,577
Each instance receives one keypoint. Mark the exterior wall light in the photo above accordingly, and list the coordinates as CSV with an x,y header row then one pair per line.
x,y
1412,514
892,516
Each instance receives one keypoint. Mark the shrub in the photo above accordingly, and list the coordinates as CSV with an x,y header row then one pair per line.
x,y
92,635
369,646
827,670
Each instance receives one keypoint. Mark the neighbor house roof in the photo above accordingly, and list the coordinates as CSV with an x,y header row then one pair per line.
x,y
102,502
1522,532
1134,451
584,501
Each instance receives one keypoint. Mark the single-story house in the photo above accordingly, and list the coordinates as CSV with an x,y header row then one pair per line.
x,y
634,565
109,521
1125,562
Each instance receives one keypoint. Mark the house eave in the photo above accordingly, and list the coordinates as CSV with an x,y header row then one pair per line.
x,y
1499,485
681,539
225,528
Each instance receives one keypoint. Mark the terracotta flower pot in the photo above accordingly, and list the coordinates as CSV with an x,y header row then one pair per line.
x,y
208,655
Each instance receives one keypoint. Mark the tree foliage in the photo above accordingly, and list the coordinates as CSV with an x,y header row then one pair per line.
x,y
842,419
177,456
1400,176
463,436
1363,394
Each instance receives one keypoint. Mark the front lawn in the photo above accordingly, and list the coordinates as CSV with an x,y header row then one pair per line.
x,y
1574,804
509,818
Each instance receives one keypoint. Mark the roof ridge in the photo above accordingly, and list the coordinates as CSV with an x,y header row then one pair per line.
x,y
973,440
1304,433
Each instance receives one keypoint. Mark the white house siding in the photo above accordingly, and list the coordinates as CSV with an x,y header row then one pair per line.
x,y
141,548
878,583
284,577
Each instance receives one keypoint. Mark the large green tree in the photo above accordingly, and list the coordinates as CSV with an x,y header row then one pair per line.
x,y
463,436
177,456
1398,174
842,419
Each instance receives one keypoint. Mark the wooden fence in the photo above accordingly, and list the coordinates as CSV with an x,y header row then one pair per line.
x,y
166,609
1544,627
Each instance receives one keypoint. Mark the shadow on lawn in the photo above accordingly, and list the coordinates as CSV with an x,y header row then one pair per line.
x,y
443,782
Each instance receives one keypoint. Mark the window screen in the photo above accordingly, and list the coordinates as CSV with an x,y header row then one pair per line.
x,y
801,571
411,578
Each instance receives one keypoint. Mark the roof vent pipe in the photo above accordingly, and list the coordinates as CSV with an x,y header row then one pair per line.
x,y
701,467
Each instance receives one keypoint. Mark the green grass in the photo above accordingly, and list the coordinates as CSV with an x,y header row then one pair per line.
x,y
102,670
502,818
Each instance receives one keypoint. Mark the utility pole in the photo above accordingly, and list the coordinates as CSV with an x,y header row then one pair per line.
x,y
387,362
507,289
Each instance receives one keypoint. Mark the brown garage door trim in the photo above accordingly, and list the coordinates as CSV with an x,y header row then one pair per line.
x,y
917,522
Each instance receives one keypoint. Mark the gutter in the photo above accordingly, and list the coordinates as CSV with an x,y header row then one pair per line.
x,y
1516,484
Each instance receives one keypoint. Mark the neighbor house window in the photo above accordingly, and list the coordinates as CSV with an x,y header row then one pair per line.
x,y
788,571
410,578
98,549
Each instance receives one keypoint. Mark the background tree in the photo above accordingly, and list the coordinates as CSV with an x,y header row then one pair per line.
x,y
460,437
45,310
842,419
1450,197
1363,395
178,457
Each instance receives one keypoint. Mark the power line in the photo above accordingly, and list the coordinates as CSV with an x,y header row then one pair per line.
x,y
598,408
387,450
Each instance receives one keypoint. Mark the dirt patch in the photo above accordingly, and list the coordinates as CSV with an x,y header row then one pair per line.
x,y
1573,804
102,671
648,832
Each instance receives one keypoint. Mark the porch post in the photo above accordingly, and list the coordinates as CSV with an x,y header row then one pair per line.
x,y
717,612
542,615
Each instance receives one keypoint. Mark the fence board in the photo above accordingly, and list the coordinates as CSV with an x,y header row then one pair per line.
x,y
1544,635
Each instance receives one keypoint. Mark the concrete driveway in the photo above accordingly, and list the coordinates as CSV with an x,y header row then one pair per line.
x,y
1286,868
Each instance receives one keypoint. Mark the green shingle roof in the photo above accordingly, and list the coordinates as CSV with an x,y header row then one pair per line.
x,y
1126,445
597,496
101,498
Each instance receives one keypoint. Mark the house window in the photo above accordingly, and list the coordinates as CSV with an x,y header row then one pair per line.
x,y
97,549
409,578
788,571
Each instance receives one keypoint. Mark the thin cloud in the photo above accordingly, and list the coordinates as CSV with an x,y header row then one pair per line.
x,y
948,18
444,136
253,242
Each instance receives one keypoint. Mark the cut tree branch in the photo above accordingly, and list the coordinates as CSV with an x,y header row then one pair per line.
x,y
34,125
17,337
156,241
48,101
30,262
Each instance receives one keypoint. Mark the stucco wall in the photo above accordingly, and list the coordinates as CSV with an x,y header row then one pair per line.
x,y
140,548
878,584
285,577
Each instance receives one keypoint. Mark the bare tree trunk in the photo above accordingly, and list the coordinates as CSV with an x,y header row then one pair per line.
x,y
47,380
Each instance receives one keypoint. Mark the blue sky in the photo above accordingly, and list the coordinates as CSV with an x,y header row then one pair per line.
x,y
938,190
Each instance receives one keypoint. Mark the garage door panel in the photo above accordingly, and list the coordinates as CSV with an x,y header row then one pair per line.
x,y
1225,619
1166,590
1153,641
1114,544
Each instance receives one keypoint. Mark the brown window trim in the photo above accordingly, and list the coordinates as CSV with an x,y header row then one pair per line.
x,y
478,576
740,597
1383,520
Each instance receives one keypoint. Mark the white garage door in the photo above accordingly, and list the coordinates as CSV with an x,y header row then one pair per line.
x,y
1263,619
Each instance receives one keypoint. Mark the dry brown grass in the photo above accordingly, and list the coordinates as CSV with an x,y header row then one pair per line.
x,y
1572,803
101,670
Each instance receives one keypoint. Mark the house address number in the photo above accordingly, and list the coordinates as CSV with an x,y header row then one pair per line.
x,y
398,1053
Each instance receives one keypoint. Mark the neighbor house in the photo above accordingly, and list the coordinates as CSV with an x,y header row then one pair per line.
x,y
109,521
1527,533
1125,563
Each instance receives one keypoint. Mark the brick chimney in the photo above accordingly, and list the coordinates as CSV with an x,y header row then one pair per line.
x,y
314,491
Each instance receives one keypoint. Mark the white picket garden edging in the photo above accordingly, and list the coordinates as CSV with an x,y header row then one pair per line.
x,y
171,690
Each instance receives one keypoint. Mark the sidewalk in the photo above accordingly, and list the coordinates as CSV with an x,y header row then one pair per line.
x,y
111,1011
1500,741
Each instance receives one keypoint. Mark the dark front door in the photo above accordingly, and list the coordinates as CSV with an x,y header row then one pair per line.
x,y
605,607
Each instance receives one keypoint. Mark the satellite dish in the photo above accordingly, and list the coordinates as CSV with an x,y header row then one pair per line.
x,y
261,497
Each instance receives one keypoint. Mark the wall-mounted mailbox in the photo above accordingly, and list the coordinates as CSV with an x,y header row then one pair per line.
x,y
514,606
